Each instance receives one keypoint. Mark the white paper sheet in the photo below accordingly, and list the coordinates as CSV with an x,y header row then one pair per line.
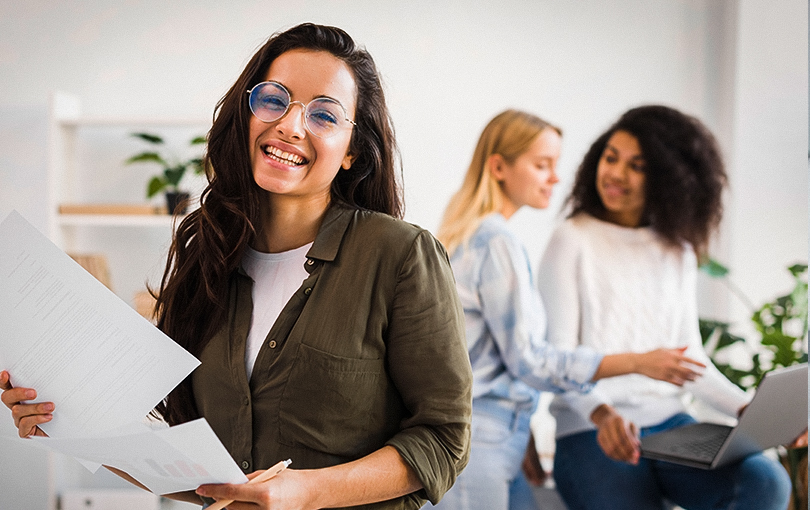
x,y
174,459
65,334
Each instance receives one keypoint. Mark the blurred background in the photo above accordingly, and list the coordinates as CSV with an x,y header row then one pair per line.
x,y
77,78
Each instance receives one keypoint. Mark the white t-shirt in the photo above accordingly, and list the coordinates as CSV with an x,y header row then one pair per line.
x,y
276,277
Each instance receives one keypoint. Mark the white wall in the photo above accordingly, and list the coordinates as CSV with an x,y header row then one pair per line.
x,y
767,213
448,68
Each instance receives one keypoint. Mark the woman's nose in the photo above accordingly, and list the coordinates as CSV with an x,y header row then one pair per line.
x,y
617,171
292,123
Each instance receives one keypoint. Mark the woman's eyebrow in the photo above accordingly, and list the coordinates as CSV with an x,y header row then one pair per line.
x,y
616,151
324,96
320,96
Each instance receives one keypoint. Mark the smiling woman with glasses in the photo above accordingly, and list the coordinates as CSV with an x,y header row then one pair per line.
x,y
369,394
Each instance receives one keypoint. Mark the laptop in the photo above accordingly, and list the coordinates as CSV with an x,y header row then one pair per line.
x,y
776,415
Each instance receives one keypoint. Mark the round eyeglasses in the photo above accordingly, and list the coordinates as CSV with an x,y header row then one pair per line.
x,y
323,117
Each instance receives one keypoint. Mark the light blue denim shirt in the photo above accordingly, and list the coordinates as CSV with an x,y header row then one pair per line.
x,y
506,323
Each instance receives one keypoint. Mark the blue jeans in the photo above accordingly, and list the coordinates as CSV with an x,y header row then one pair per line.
x,y
587,479
493,479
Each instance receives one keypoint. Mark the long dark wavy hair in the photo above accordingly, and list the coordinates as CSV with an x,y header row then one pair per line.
x,y
209,243
684,173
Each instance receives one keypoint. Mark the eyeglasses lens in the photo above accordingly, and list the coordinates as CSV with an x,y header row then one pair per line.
x,y
269,102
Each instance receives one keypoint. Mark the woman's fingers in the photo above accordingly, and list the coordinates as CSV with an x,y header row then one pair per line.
x,y
15,396
22,411
5,381
27,417
682,374
671,365
29,425
619,440
691,361
689,369
532,469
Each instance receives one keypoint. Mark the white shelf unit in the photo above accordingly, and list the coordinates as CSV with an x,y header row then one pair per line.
x,y
84,151
86,157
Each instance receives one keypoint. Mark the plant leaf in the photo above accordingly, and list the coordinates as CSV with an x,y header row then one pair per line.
x,y
196,165
714,269
148,137
727,339
798,269
152,157
155,186
197,140
174,174
781,337
782,347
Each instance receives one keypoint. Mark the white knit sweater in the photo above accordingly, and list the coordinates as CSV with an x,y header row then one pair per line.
x,y
619,289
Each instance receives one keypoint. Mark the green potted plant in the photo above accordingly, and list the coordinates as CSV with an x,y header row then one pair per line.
x,y
168,181
781,325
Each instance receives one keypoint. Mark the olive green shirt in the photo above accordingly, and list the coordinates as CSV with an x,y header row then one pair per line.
x,y
369,351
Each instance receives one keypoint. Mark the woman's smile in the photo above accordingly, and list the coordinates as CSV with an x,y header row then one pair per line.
x,y
283,157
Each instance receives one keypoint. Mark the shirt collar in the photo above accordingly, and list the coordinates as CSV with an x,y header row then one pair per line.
x,y
327,241
334,226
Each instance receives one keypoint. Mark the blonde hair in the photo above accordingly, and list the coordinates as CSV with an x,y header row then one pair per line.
x,y
508,134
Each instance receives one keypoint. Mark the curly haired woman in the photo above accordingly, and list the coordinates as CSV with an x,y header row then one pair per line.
x,y
620,275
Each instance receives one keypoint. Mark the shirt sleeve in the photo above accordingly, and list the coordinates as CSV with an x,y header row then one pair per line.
x,y
712,387
429,365
514,314
558,282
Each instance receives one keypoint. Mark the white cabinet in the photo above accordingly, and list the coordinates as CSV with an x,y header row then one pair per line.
x,y
86,166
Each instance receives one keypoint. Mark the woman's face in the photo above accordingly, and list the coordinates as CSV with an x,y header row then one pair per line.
x,y
529,180
620,179
288,161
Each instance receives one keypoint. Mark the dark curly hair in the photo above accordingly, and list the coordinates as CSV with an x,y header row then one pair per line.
x,y
209,243
684,173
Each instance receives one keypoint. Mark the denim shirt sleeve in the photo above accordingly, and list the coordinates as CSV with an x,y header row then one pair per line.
x,y
515,316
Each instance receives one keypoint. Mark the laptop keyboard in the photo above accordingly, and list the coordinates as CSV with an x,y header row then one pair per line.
x,y
704,448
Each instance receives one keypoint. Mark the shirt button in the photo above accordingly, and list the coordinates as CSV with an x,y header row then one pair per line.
x,y
272,344
245,464
246,401
310,262
308,291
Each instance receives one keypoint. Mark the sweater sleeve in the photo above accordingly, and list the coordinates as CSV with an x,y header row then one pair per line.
x,y
712,387
428,363
514,314
558,281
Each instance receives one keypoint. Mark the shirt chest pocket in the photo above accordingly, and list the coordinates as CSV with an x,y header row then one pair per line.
x,y
334,405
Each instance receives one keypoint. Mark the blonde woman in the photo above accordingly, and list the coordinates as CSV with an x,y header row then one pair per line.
x,y
514,165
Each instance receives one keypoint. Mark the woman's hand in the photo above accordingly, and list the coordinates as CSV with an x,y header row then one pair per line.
x,y
617,438
287,490
26,416
670,365
379,476
532,469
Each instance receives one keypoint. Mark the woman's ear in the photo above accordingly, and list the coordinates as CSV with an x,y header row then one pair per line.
x,y
348,159
496,165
